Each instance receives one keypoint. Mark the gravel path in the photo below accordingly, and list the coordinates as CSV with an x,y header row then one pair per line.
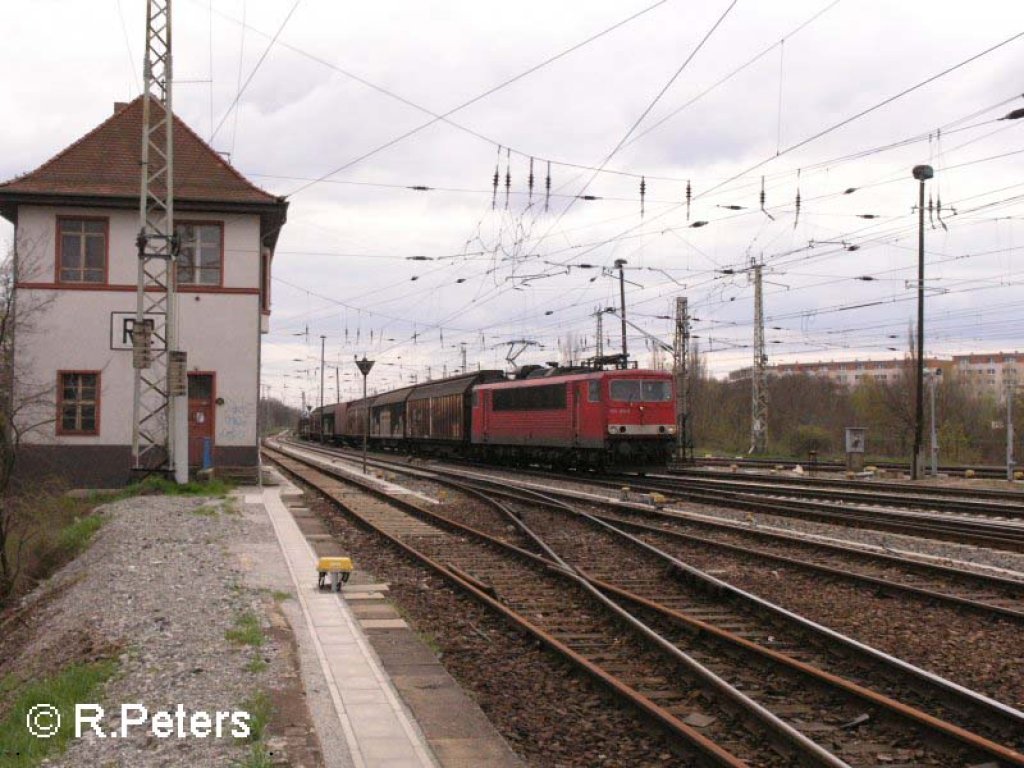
x,y
157,590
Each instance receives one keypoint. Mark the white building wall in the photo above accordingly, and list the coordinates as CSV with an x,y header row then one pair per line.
x,y
70,329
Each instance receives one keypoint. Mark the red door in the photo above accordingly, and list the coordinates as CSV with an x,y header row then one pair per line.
x,y
200,417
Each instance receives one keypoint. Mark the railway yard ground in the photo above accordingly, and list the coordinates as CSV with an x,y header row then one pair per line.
x,y
500,617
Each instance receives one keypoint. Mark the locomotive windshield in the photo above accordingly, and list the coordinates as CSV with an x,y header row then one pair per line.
x,y
641,391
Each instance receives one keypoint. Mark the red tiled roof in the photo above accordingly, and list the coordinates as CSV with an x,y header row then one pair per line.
x,y
106,163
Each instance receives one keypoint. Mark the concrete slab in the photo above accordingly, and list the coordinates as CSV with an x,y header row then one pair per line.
x,y
383,624
373,609
354,586
399,649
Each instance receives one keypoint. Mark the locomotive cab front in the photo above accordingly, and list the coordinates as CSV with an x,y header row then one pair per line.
x,y
640,418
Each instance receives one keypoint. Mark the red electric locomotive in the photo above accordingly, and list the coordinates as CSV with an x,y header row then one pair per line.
x,y
621,418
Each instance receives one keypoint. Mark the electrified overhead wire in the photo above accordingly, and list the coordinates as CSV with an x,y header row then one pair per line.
x,y
475,99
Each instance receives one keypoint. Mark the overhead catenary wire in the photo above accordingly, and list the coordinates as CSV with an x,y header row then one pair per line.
x,y
252,74
477,98
811,212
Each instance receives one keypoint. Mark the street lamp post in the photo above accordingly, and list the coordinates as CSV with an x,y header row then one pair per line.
x,y
364,366
922,173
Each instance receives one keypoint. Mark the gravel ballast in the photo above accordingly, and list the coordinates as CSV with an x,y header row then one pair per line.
x,y
161,592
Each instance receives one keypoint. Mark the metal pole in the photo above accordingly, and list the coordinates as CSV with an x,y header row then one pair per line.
x,y
365,366
322,340
1011,386
922,173
366,422
622,315
919,412
933,381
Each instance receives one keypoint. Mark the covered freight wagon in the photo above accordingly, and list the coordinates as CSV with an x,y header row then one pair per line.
x,y
438,413
355,421
387,417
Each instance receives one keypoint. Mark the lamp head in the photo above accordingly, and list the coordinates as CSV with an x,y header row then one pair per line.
x,y
619,263
923,172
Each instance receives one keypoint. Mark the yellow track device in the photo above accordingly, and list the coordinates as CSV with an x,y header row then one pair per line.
x,y
340,568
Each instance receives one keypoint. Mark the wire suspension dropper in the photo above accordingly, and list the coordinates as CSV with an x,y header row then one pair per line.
x,y
494,181
547,188
508,175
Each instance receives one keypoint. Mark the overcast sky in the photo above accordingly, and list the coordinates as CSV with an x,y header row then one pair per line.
x,y
344,79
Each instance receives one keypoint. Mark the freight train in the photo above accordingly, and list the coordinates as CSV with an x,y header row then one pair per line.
x,y
565,417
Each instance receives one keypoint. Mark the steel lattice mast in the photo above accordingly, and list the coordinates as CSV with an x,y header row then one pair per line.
x,y
680,359
159,370
758,385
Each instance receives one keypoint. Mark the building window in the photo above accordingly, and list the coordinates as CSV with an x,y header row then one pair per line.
x,y
82,245
200,254
265,265
78,404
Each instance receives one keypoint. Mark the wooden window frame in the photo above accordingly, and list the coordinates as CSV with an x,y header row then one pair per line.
x,y
189,285
60,403
58,252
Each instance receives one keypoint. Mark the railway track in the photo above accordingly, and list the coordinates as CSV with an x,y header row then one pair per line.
x,y
1005,506
772,700
1011,495
1000,527
980,470
883,572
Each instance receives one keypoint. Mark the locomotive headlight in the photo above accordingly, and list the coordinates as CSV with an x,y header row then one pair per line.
x,y
611,430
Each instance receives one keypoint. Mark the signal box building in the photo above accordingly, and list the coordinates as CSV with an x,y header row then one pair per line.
x,y
76,220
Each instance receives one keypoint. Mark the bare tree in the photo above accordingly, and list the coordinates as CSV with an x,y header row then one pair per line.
x,y
24,407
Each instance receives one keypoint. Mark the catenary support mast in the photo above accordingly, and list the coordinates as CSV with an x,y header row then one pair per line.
x,y
758,385
680,358
159,426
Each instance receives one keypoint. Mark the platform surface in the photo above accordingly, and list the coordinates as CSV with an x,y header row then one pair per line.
x,y
378,729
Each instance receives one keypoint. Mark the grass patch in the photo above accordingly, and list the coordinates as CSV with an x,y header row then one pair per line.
x,y
260,710
256,665
247,631
74,684
160,485
206,510
279,596
76,537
